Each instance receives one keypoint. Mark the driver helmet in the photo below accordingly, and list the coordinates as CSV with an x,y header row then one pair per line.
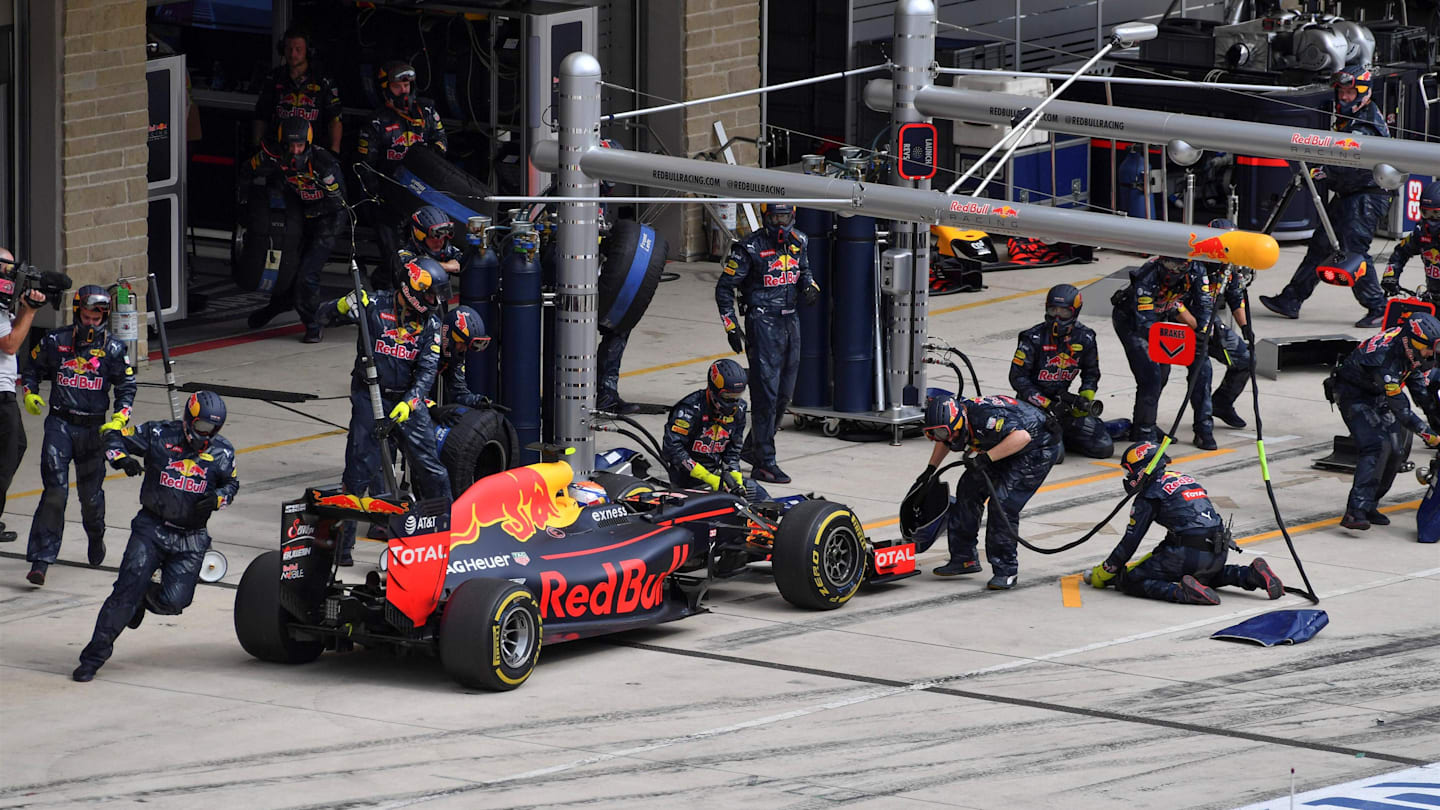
x,y
422,282
464,326
725,385
203,417
1136,459
293,131
429,222
1358,77
944,419
90,296
779,219
396,70
1430,202
1062,307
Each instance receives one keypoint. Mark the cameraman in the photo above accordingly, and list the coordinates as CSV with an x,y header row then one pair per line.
x,y
13,329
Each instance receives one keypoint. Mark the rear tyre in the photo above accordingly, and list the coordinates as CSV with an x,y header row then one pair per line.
x,y
490,634
261,624
819,555
474,443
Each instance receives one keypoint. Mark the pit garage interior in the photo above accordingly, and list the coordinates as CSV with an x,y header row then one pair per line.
x,y
927,691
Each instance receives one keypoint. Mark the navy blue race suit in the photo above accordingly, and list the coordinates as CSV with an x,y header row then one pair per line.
x,y
182,488
311,98
1137,307
771,277
319,187
382,146
1424,240
609,354
82,379
1227,286
1043,367
452,373
1355,210
407,358
1194,544
1370,390
988,420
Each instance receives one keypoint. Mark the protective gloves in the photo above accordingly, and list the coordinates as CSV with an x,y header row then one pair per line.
x,y
348,302
811,294
704,476
736,336
34,404
206,507
401,412
979,463
1040,401
1100,576
1078,412
128,464
1431,439
924,479
118,421
1389,282
735,483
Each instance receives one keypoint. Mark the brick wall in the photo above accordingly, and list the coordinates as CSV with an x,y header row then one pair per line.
x,y
722,55
104,123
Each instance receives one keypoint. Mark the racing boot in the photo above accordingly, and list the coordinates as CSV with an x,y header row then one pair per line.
x,y
956,568
1193,593
6,536
1372,320
139,616
1262,578
1001,582
36,576
1280,305
771,474
1205,441
1377,518
614,404
314,333
1355,520
95,553
84,673
1225,412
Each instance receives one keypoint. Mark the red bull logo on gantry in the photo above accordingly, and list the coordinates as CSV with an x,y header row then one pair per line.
x,y
1349,144
522,501
188,476
1004,211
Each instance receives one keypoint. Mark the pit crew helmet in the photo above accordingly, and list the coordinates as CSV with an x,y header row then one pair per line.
x,y
90,296
1137,458
725,385
464,326
1358,77
1062,307
779,219
1430,201
944,419
1173,271
396,70
292,131
422,283
429,222
202,419
1422,336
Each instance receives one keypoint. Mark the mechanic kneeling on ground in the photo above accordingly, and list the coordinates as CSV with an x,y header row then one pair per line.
x,y
1049,357
84,363
1162,289
13,330
1012,446
770,267
313,176
462,334
704,433
189,473
1189,563
1368,387
406,331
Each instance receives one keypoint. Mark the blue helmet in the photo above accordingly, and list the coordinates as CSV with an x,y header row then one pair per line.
x,y
464,326
1430,201
1136,459
725,385
423,285
1358,77
90,296
203,417
944,419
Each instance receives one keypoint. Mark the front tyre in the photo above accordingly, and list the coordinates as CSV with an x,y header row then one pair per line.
x,y
819,555
490,634
261,624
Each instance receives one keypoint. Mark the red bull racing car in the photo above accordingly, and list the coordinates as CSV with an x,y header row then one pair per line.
x,y
516,561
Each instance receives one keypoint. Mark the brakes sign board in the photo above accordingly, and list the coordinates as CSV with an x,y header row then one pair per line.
x,y
917,151
895,559
1172,344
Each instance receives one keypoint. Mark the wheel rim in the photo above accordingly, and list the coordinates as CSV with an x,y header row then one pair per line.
x,y
517,637
841,556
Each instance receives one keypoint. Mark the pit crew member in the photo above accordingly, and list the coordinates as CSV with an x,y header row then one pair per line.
x,y
1424,240
293,90
1049,357
704,433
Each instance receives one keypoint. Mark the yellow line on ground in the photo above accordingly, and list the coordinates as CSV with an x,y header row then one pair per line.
x,y
1319,524
678,363
256,448
1070,590
1112,465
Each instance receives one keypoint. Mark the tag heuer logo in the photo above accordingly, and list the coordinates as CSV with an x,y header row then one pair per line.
x,y
520,557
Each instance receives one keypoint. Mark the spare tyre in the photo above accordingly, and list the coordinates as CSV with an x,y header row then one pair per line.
x,y
633,257
474,443
429,178
265,249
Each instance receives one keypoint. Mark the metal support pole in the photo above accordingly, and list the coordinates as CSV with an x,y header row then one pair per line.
x,y
908,325
1189,197
578,266
764,145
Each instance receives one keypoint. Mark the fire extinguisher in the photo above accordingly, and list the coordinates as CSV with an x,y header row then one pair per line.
x,y
125,318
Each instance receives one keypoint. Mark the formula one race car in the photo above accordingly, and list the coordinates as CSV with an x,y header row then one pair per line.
x,y
516,561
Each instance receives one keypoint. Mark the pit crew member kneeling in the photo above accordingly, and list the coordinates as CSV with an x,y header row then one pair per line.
x,y
1012,445
1189,564
704,433
189,473
1049,357
406,331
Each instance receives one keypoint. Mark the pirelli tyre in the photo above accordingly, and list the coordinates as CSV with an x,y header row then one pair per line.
x,y
265,248
490,634
619,487
459,194
261,624
819,555
474,443
633,258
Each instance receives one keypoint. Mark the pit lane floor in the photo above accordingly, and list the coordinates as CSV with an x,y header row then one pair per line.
x,y
928,692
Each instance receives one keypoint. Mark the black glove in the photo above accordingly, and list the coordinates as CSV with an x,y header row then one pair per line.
x,y
130,465
979,463
736,337
206,507
811,294
1390,285
924,479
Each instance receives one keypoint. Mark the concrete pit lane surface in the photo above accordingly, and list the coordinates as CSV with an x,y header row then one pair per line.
x,y
927,692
